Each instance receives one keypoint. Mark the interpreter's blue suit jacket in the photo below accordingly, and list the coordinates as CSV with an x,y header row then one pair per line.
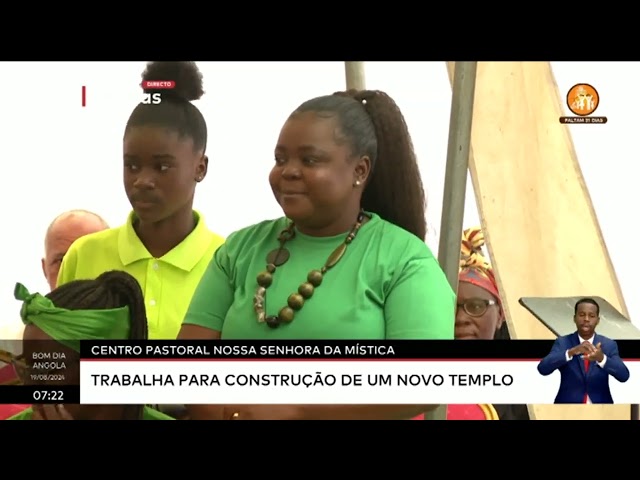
x,y
575,382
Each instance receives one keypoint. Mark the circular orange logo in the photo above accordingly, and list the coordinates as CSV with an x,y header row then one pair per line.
x,y
583,99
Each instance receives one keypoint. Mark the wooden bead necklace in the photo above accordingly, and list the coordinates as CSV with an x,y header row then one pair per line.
x,y
279,257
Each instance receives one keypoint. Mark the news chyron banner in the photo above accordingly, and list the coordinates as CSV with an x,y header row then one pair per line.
x,y
340,372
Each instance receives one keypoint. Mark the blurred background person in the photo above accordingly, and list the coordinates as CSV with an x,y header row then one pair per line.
x,y
480,316
65,229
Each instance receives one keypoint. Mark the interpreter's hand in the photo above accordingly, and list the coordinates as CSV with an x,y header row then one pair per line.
x,y
585,348
50,412
261,412
597,355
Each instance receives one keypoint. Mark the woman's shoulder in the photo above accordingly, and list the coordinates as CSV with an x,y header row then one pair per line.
x,y
399,242
263,226
254,234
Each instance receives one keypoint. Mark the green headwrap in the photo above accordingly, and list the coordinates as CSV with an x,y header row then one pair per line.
x,y
70,326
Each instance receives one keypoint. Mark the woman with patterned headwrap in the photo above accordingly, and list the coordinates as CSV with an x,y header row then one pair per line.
x,y
480,316
111,307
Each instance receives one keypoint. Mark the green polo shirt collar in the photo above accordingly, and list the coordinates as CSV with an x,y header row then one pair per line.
x,y
184,256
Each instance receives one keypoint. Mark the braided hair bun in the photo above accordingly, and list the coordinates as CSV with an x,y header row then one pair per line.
x,y
185,77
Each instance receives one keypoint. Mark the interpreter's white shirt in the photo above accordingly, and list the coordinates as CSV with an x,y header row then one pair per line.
x,y
600,364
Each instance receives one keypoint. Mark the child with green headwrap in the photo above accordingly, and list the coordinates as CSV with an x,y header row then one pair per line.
x,y
111,307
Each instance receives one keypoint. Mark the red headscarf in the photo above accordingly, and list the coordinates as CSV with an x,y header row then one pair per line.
x,y
474,268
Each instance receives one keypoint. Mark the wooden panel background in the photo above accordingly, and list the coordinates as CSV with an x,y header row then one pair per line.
x,y
541,229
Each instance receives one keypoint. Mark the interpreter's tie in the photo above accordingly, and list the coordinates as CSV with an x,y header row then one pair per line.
x,y
586,370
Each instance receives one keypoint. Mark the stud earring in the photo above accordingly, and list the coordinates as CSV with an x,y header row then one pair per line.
x,y
357,184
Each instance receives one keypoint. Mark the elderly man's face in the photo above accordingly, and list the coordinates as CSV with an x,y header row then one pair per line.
x,y
60,238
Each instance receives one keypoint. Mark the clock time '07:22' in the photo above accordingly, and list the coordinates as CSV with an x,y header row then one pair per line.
x,y
53,396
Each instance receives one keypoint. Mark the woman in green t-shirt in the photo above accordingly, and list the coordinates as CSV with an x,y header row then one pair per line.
x,y
111,307
347,261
